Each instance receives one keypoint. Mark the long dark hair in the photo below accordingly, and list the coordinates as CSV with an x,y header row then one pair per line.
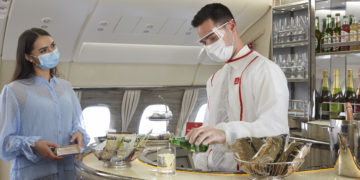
x,y
24,69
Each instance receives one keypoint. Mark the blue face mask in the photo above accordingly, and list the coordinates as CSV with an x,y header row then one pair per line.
x,y
49,60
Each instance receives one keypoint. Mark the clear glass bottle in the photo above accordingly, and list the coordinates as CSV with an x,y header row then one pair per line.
x,y
345,32
354,33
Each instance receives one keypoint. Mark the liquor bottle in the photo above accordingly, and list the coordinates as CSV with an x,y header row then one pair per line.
x,y
350,95
323,34
336,106
354,33
181,142
325,97
328,33
317,35
345,31
317,104
348,111
336,32
359,33
357,101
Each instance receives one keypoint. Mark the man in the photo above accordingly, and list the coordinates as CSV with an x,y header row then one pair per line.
x,y
247,97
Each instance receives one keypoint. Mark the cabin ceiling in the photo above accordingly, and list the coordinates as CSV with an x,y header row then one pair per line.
x,y
118,31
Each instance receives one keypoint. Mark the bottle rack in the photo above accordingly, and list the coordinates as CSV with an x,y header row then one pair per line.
x,y
342,60
340,44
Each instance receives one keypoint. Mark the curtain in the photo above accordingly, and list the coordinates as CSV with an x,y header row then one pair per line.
x,y
129,104
187,106
78,94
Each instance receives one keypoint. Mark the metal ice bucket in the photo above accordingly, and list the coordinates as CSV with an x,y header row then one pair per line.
x,y
344,146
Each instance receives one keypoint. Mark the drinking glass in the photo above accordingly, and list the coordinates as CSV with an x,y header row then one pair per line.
x,y
166,160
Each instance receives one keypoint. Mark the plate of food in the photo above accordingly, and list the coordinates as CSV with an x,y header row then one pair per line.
x,y
119,149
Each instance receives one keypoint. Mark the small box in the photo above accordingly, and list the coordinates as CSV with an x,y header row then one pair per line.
x,y
67,150
192,125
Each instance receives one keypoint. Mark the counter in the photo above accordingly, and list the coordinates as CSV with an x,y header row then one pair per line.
x,y
91,168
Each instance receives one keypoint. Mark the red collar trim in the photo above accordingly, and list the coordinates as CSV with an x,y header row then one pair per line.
x,y
232,60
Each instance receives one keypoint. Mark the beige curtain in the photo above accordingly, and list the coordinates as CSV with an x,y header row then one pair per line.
x,y
78,94
187,106
129,104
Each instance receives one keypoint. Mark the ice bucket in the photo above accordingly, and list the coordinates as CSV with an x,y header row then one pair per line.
x,y
344,146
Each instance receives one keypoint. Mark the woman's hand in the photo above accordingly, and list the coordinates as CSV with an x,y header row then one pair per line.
x,y
78,137
43,148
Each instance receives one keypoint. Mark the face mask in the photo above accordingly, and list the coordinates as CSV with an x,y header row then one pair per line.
x,y
49,60
218,51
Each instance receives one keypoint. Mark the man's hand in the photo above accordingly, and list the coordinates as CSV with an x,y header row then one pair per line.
x,y
206,135
43,148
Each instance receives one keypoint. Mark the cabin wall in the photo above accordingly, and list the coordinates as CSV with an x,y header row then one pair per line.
x,y
91,75
112,98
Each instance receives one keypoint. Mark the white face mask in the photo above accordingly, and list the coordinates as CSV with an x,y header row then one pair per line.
x,y
219,52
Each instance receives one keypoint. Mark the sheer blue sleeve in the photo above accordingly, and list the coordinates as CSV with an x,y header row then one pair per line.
x,y
78,124
11,143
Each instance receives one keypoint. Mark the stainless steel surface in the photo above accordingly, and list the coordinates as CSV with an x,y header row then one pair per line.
x,y
292,6
311,56
309,140
317,130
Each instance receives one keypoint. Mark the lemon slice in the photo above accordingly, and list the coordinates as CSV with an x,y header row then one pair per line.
x,y
168,159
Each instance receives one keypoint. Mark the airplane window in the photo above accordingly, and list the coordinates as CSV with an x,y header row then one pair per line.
x,y
201,113
154,117
97,121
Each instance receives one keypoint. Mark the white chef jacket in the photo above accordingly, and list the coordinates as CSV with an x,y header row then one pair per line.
x,y
247,97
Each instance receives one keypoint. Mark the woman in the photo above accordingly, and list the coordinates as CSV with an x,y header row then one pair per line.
x,y
39,111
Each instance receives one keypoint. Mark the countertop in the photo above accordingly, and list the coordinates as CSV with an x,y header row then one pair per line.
x,y
140,170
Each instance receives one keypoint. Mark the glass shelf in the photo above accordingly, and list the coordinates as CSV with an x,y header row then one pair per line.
x,y
291,44
300,5
338,53
341,44
297,80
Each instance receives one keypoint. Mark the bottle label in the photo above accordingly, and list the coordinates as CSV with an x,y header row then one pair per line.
x,y
353,35
335,110
324,111
327,38
335,39
344,36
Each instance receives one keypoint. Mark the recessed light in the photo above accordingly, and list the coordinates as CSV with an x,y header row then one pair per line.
x,y
103,23
46,20
44,26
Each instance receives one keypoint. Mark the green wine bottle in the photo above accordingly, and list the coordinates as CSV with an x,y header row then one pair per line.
x,y
337,98
181,142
